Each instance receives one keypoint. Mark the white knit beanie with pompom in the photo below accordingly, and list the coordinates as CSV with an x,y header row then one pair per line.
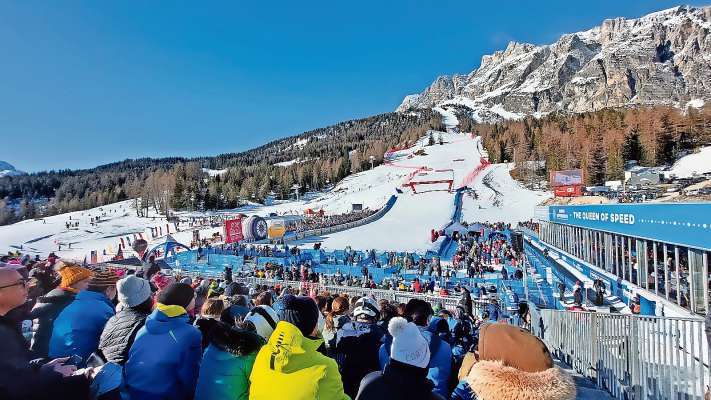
x,y
409,346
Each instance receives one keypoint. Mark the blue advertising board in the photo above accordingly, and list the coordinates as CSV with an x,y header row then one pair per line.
x,y
683,224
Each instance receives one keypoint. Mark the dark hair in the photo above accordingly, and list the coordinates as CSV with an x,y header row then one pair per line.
x,y
263,299
145,307
240,301
401,309
236,341
387,311
322,302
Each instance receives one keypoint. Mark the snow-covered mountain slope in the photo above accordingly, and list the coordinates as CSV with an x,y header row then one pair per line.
x,y
117,220
6,169
405,227
692,164
661,58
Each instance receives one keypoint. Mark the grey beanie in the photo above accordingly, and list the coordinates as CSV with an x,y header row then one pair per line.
x,y
133,290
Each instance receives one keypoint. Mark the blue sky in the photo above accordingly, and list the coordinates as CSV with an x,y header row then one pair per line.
x,y
86,83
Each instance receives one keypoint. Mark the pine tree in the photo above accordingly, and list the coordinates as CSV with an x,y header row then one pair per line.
x,y
632,147
597,161
665,141
615,167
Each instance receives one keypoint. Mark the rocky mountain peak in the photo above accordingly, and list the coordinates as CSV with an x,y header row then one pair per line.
x,y
663,58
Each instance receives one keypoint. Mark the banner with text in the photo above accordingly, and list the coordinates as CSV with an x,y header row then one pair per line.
x,y
233,230
683,224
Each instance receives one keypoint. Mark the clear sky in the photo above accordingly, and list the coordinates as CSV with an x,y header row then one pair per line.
x,y
86,83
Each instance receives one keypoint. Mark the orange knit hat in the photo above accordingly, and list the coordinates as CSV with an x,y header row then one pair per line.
x,y
71,274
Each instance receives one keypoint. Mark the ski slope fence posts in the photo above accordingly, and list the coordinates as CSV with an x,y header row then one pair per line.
x,y
342,227
630,356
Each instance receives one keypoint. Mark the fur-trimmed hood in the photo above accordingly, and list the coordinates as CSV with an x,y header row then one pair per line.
x,y
492,380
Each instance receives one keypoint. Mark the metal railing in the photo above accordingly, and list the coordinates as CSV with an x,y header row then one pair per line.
x,y
630,356
448,302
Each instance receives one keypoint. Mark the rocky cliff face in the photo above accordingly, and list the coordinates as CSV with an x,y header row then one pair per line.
x,y
661,58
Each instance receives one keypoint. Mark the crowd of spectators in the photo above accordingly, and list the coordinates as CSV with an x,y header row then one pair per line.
x,y
110,334
317,221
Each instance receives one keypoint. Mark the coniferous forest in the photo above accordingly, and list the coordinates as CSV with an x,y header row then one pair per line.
x,y
598,142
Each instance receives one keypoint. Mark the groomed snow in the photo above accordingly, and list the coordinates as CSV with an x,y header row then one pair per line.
x,y
406,227
689,165
500,198
448,118
41,237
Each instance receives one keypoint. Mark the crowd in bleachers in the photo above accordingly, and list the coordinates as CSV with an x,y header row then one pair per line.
x,y
67,331
318,221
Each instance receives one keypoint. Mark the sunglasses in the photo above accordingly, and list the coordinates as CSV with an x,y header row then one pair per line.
x,y
22,282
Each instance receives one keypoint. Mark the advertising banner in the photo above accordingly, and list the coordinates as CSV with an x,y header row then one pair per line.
x,y
566,178
233,230
675,223
568,191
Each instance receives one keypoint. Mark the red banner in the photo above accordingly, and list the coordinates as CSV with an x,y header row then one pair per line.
x,y
568,191
233,230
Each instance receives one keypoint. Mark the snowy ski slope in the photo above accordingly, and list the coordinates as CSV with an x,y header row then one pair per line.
x,y
406,227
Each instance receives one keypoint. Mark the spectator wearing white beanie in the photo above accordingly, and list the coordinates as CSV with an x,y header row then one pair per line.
x,y
405,375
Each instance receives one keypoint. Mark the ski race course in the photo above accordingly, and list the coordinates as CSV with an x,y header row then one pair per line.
x,y
406,227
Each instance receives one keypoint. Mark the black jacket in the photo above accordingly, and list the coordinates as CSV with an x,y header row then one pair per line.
x,y
43,314
119,333
356,352
22,379
206,325
398,381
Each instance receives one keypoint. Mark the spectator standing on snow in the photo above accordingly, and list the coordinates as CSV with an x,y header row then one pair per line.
x,y
228,360
21,378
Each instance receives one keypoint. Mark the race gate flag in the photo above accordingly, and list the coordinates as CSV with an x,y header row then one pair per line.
x,y
233,230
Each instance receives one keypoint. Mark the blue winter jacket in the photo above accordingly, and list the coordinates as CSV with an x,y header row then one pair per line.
x,y
164,360
78,327
440,366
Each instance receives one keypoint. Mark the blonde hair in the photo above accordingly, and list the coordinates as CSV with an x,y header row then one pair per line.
x,y
212,307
